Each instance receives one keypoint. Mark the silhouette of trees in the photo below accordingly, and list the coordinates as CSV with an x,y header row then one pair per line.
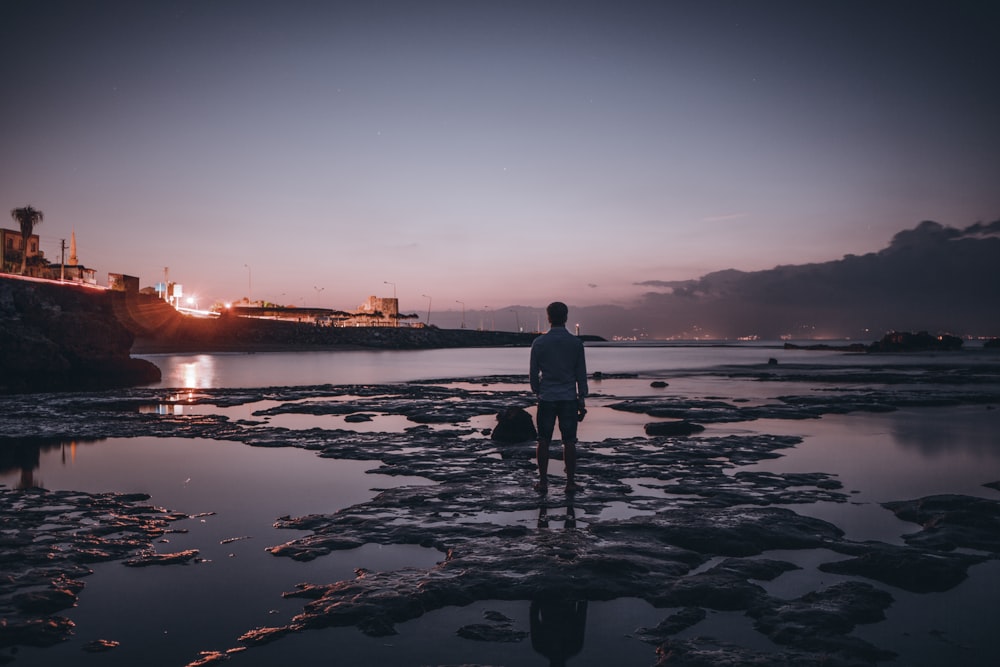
x,y
27,217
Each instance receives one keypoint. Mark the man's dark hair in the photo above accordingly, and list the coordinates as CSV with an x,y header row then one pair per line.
x,y
558,312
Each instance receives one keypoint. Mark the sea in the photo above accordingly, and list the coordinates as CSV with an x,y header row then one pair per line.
x,y
169,615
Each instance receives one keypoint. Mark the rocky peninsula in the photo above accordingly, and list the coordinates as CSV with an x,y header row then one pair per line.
x,y
61,337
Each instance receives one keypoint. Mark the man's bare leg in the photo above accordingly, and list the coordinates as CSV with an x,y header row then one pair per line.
x,y
542,455
569,458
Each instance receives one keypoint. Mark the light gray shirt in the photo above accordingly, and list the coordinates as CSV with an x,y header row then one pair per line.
x,y
558,368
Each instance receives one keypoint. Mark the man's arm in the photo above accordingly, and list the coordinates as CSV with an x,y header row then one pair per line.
x,y
533,372
582,390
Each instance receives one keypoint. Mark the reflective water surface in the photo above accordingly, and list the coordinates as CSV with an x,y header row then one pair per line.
x,y
236,493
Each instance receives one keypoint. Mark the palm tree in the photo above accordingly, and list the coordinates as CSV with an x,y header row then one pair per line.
x,y
27,217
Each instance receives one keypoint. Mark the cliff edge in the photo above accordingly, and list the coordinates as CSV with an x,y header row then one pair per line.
x,y
58,337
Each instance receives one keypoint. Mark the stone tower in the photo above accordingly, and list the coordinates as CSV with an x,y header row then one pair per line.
x,y
73,261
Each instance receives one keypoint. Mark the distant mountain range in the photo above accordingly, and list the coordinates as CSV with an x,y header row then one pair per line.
x,y
933,278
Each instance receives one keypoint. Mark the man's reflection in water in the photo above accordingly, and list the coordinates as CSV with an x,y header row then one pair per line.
x,y
557,621
543,516
557,628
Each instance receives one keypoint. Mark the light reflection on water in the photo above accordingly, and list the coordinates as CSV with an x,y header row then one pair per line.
x,y
381,366
899,455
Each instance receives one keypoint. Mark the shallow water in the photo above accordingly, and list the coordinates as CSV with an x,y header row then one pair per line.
x,y
174,612
386,366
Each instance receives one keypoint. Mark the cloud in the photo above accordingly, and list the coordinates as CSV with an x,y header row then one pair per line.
x,y
931,277
979,229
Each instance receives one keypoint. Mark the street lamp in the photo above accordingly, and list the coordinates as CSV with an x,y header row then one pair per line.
x,y
428,308
393,288
517,318
249,284
463,311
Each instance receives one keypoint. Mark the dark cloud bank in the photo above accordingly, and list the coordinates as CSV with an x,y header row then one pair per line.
x,y
931,278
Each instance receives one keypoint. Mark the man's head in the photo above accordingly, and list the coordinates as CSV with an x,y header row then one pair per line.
x,y
558,313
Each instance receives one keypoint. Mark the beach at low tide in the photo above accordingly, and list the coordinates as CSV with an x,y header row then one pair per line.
x,y
886,429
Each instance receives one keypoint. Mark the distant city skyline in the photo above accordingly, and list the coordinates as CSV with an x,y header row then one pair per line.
x,y
490,154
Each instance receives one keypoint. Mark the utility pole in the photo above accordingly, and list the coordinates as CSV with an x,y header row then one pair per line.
x,y
62,261
428,308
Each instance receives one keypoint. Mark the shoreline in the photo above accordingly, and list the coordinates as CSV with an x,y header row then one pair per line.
x,y
145,347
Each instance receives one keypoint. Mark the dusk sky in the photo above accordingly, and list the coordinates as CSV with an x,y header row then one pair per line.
x,y
493,153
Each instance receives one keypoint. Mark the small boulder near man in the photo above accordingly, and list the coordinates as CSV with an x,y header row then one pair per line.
x,y
558,376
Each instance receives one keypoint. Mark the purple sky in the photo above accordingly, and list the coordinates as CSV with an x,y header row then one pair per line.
x,y
493,153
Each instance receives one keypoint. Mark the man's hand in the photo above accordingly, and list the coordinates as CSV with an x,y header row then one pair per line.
x,y
581,410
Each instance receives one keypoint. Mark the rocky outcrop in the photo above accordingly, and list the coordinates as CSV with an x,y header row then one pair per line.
x,y
514,425
905,341
55,337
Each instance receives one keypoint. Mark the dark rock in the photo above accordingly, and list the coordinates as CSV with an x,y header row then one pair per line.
x,y
658,384
259,636
209,658
671,625
149,558
821,620
48,538
57,337
46,601
672,428
724,587
497,628
358,418
910,569
100,646
951,522
710,652
514,425
46,631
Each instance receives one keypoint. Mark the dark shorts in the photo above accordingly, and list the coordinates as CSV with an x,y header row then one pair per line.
x,y
550,411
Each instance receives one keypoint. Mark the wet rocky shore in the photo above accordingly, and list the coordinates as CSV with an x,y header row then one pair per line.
x,y
698,533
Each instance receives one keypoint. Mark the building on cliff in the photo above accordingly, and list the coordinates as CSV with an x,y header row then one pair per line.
x,y
38,267
375,312
11,250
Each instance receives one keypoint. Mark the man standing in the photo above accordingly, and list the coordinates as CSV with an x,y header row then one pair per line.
x,y
558,376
